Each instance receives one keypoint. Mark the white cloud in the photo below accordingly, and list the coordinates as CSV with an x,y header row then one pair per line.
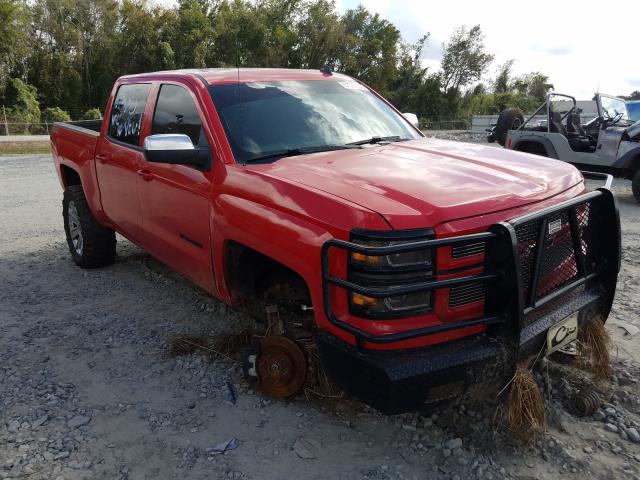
x,y
582,47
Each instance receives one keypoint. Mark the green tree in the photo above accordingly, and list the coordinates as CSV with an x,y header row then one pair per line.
x,y
464,58
193,34
139,43
96,23
54,114
502,82
238,35
410,75
92,114
14,40
22,103
318,32
534,85
430,103
72,51
53,67
280,38
369,48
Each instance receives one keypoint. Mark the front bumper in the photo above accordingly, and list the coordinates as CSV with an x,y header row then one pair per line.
x,y
526,294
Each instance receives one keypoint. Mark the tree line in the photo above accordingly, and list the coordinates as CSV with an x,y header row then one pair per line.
x,y
59,58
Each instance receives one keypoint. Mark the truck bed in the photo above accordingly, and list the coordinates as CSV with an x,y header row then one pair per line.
x,y
83,125
73,145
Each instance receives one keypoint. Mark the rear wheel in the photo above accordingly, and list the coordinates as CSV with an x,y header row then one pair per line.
x,y
635,185
509,119
91,245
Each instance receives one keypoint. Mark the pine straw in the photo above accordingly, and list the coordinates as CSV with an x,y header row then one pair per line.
x,y
233,343
525,407
179,345
317,384
593,347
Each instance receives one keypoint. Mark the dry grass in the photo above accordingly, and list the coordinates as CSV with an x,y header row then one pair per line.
x,y
179,345
20,148
593,347
317,385
233,343
187,344
525,407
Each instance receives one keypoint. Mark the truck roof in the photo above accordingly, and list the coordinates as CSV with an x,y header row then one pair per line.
x,y
233,75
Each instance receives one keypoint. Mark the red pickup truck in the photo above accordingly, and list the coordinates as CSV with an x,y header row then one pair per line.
x,y
432,267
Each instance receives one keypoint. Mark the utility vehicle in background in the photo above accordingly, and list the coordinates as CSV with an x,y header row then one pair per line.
x,y
431,268
609,143
633,107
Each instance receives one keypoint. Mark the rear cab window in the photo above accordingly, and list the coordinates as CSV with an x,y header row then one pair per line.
x,y
125,119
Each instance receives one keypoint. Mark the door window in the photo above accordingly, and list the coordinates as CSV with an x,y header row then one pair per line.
x,y
176,113
126,113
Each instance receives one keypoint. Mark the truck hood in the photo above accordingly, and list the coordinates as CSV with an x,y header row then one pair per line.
x,y
425,182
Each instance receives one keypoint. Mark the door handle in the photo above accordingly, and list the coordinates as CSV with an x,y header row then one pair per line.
x,y
146,175
101,158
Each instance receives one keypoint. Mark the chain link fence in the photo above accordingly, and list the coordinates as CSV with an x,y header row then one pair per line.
x,y
459,124
19,128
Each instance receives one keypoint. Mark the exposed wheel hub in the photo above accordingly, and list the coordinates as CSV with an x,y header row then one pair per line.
x,y
281,366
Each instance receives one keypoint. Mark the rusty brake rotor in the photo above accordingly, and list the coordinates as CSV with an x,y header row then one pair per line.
x,y
281,366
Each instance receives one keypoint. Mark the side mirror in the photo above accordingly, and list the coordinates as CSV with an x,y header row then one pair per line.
x,y
174,148
413,119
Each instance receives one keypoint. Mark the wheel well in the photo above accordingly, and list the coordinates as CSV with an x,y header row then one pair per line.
x,y
532,147
252,275
70,176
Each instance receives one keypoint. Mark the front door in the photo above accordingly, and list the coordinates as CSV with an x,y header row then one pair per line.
x,y
118,159
175,199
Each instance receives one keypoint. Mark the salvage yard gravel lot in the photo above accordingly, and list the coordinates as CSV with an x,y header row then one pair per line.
x,y
87,389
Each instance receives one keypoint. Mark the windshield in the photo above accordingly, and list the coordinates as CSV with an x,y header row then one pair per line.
x,y
634,111
260,118
613,108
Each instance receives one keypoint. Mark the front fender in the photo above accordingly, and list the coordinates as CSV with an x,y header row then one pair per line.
x,y
283,221
628,156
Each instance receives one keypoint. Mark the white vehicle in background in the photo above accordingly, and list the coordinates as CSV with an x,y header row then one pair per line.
x,y
609,143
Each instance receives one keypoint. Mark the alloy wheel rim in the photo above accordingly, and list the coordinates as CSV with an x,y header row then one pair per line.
x,y
75,229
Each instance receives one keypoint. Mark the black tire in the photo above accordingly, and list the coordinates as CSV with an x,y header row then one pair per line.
x,y
635,186
91,245
509,119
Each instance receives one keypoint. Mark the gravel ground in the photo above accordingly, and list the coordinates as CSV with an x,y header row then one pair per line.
x,y
88,391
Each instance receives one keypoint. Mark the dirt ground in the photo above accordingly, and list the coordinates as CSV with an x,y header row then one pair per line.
x,y
87,389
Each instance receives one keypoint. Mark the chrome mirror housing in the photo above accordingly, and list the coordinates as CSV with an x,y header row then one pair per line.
x,y
168,141
175,148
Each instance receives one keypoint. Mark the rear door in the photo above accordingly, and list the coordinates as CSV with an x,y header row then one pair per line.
x,y
119,157
175,199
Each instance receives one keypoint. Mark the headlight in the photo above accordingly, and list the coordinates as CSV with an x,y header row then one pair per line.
x,y
392,270
397,303
422,259
406,259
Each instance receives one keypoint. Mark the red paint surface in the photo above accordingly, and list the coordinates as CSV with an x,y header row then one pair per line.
x,y
289,208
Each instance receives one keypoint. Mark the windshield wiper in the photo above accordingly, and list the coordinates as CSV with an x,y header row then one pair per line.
x,y
372,140
292,152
